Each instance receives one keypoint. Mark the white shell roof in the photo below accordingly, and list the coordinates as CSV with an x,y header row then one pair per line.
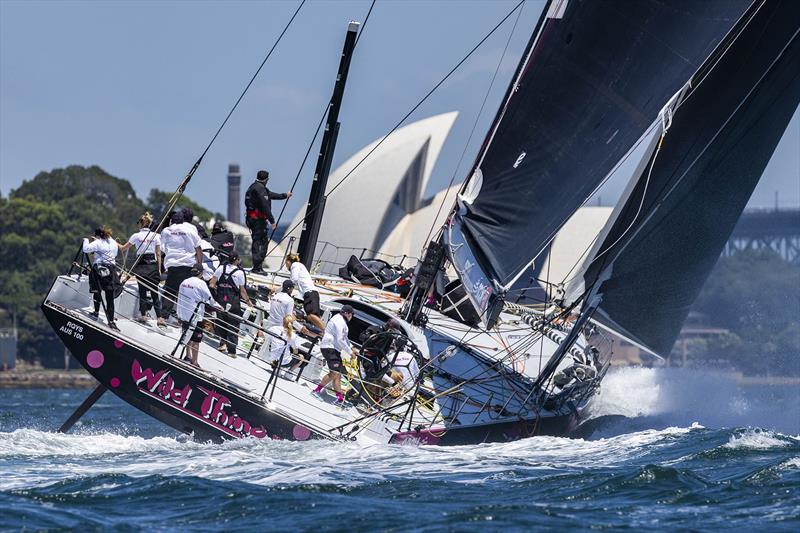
x,y
355,210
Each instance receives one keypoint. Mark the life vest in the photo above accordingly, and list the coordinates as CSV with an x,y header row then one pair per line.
x,y
227,291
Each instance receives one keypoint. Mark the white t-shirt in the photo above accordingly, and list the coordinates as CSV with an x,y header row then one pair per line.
x,y
104,250
336,335
407,365
301,278
145,241
280,306
193,291
210,263
237,277
178,243
281,348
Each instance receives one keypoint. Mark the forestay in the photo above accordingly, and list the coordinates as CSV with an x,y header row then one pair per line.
x,y
592,79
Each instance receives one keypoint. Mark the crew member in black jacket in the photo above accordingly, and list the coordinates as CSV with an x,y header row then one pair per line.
x,y
258,202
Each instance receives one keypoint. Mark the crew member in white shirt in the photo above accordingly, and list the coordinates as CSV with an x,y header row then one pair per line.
x,y
305,285
284,342
210,260
281,305
193,296
181,245
407,366
147,269
334,342
103,277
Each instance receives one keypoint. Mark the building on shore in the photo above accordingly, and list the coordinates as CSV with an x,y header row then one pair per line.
x,y
234,194
8,348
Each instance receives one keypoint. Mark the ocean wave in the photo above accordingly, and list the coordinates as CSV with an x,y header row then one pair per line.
x,y
52,457
794,462
37,443
757,439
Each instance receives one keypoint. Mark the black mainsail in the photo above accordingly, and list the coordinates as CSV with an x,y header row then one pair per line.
x,y
593,78
672,228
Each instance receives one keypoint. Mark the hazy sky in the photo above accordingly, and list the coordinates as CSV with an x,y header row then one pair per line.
x,y
139,87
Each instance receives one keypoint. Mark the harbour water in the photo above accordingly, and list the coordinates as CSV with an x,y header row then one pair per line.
x,y
668,449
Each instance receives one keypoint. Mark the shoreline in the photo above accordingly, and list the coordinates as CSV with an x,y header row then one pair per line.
x,y
78,378
42,378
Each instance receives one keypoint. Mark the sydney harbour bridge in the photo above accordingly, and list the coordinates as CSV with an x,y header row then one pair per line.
x,y
775,229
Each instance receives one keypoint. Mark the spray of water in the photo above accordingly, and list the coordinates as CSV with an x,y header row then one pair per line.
x,y
661,397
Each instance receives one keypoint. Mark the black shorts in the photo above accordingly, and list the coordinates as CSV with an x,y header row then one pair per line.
x,y
333,358
197,334
311,303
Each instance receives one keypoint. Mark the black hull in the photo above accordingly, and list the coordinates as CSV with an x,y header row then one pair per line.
x,y
168,389
174,393
556,426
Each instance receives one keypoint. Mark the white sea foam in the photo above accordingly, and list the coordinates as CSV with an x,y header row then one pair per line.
x,y
755,439
680,397
36,458
794,462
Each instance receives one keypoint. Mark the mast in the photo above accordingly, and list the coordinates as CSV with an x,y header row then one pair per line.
x,y
316,200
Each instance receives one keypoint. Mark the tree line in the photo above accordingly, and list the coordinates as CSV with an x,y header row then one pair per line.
x,y
754,295
42,223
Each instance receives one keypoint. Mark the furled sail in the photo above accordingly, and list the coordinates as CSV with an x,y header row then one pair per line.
x,y
593,78
672,228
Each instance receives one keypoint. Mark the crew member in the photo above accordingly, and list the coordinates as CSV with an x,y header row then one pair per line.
x,y
210,259
334,342
193,295
258,202
103,277
281,305
284,343
181,245
406,364
302,280
230,283
222,240
147,267
188,217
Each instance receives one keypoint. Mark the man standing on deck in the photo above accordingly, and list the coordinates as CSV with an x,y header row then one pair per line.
x,y
258,203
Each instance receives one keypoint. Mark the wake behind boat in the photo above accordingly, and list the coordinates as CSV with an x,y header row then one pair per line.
x,y
706,91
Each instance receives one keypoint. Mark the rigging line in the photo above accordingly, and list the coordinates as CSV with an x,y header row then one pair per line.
x,y
314,139
424,98
546,305
491,362
278,40
297,177
182,187
633,221
474,125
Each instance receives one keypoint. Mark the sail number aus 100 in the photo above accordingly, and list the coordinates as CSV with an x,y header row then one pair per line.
x,y
73,330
